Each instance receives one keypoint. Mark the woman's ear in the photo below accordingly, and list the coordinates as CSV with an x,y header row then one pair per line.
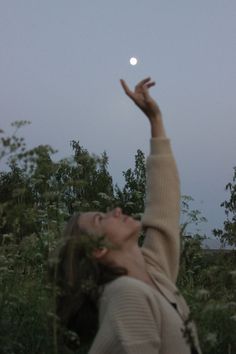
x,y
100,252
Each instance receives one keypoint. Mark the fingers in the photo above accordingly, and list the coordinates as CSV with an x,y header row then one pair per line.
x,y
126,88
143,82
143,85
145,89
150,84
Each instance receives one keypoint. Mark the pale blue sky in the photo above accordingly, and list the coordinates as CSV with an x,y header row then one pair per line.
x,y
60,64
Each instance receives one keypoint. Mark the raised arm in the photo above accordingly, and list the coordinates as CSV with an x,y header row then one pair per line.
x,y
161,217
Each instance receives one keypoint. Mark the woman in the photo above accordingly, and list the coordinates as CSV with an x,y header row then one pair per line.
x,y
133,288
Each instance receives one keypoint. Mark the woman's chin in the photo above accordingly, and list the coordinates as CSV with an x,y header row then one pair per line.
x,y
137,227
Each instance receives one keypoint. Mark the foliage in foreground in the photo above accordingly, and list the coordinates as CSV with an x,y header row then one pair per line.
x,y
37,197
228,234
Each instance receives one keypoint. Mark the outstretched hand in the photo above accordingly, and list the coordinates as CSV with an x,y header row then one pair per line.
x,y
142,98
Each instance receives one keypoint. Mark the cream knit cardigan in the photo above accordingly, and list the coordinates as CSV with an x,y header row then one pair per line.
x,y
133,316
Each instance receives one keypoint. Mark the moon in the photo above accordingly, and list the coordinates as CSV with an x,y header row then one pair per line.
x,y
133,61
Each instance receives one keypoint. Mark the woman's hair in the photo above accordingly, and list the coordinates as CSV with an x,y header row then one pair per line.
x,y
80,279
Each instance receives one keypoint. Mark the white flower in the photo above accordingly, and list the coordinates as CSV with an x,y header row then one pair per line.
x,y
211,338
203,294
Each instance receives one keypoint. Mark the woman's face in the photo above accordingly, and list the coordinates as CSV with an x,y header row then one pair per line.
x,y
116,226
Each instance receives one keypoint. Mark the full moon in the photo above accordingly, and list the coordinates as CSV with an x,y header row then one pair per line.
x,y
133,61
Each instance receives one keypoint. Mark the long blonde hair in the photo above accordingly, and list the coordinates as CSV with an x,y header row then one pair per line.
x,y
80,279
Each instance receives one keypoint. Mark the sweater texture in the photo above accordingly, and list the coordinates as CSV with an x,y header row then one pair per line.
x,y
134,317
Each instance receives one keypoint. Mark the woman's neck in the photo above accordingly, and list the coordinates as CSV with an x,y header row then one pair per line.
x,y
133,261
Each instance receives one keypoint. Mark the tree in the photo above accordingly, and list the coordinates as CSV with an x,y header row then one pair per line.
x,y
38,194
191,242
228,234
19,204
91,185
132,197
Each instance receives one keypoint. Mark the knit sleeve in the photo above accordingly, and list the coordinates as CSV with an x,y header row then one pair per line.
x,y
162,211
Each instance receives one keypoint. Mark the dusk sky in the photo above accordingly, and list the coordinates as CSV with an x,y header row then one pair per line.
x,y
60,65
